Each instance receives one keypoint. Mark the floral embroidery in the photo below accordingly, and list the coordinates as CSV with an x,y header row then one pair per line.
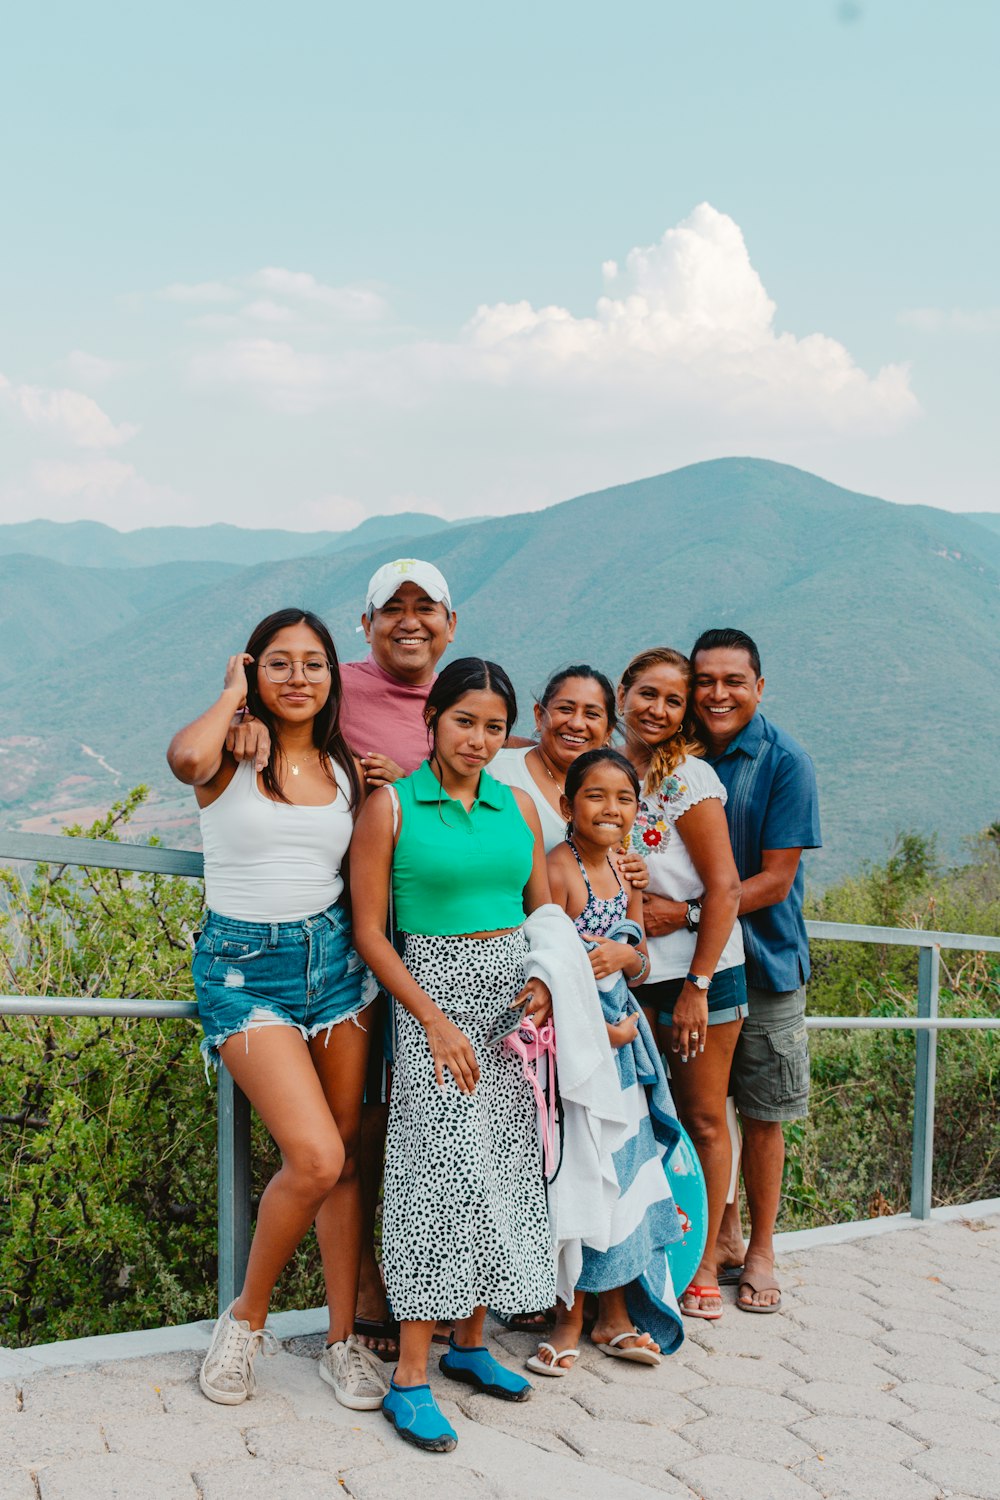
x,y
651,831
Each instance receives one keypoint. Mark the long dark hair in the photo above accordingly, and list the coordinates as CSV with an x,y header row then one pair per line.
x,y
589,674
469,674
327,736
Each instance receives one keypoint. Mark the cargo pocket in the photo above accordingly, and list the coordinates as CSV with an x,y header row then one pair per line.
x,y
789,1063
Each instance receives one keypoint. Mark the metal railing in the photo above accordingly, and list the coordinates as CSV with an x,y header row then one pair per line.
x,y
233,1127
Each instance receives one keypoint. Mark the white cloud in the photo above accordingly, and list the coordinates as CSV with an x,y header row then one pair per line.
x,y
89,480
98,489
353,302
285,378
64,414
951,320
91,369
264,310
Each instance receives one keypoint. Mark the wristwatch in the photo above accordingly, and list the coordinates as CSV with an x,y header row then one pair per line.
x,y
700,981
692,916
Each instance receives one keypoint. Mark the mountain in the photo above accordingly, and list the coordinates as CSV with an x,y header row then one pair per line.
x,y
92,544
877,623
988,518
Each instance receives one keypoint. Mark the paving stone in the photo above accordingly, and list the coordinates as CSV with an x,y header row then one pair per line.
x,y
950,1428
188,1401
721,1476
849,1320
402,1477
28,1440
156,1370
948,1369
163,1438
316,1444
9,1393
921,1395
263,1481
837,1398
655,1408
858,1435
845,1476
769,1442
954,1468
115,1476
749,1405
539,1420
17,1484
677,1375
84,1393
743,1369
646,1454
914,1344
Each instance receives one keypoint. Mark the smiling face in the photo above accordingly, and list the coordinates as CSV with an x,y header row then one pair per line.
x,y
409,634
726,693
574,719
653,706
469,733
306,691
604,807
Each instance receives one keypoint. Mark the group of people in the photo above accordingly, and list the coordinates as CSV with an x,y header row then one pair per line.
x,y
397,889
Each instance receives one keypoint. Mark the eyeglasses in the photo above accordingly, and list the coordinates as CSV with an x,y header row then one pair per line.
x,y
280,668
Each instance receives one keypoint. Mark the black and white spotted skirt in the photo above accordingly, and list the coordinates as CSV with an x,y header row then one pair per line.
x,y
464,1220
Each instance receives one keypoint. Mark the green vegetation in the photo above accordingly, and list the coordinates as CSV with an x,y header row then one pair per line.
x,y
851,1158
107,1128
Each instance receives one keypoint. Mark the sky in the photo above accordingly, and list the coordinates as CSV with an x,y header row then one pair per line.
x,y
294,266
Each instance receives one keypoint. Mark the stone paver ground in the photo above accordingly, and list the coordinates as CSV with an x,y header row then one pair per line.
x,y
878,1380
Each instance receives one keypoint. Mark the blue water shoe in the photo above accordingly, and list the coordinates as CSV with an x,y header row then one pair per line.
x,y
417,1418
477,1367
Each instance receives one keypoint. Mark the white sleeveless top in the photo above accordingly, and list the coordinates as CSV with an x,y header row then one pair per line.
x,y
510,767
269,861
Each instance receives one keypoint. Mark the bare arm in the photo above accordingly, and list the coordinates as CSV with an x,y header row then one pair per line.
x,y
536,893
371,873
773,882
706,837
195,754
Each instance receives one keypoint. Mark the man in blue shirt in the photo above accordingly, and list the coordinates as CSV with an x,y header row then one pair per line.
x,y
773,814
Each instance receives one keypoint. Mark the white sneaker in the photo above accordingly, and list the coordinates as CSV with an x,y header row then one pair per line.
x,y
227,1374
357,1375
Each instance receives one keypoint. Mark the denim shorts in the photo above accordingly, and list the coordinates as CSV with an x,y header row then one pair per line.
x,y
304,974
727,996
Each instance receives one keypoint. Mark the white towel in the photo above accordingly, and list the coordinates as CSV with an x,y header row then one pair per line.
x,y
583,1196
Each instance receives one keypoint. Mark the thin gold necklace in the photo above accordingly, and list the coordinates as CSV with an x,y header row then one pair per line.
x,y
560,787
294,768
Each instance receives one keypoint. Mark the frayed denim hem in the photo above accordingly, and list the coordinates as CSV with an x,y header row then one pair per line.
x,y
260,1018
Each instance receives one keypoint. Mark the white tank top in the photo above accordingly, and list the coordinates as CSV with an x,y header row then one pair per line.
x,y
269,861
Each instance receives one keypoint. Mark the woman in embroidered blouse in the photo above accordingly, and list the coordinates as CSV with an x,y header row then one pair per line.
x,y
696,990
465,1221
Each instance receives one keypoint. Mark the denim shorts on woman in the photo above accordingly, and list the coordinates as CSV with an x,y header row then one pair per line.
x,y
304,974
727,996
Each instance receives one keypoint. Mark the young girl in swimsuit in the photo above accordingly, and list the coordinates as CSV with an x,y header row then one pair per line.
x,y
600,804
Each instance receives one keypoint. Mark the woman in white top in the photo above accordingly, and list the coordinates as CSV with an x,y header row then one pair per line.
x,y
276,979
696,990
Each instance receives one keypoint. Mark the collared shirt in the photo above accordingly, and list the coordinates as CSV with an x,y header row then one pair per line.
x,y
382,715
458,870
773,804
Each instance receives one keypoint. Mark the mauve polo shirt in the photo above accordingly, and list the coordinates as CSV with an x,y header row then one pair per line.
x,y
381,715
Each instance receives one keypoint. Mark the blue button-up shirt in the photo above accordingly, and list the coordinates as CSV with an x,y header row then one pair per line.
x,y
773,804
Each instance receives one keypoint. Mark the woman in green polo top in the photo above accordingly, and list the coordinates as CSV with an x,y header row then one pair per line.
x,y
465,1222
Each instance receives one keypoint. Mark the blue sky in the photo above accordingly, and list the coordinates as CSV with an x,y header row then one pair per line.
x,y
296,266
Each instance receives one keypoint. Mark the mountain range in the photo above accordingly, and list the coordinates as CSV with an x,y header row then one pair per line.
x,y
877,624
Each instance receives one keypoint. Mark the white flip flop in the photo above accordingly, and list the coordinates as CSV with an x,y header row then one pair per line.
x,y
540,1367
640,1354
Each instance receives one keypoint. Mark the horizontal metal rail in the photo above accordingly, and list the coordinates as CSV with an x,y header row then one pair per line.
x,y
233,1109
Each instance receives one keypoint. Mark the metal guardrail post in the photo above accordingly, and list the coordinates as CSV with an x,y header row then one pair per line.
x,y
921,1183
234,1187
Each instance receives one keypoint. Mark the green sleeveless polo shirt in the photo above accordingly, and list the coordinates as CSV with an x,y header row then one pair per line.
x,y
455,871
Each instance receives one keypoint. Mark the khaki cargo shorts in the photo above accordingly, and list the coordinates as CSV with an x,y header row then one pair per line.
x,y
770,1072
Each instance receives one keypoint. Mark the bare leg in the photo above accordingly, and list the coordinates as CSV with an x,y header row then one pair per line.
x,y
414,1350
340,1064
699,1088
371,1292
273,1067
567,1332
468,1332
763,1165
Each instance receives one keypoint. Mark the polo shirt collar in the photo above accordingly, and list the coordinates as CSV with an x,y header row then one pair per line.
x,y
427,788
749,739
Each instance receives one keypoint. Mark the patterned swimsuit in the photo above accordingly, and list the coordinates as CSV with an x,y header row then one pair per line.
x,y
599,916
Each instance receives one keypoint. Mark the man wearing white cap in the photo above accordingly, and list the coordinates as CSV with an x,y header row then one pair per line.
x,y
408,623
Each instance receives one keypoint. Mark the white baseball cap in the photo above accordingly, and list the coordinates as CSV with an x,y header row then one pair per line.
x,y
384,583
